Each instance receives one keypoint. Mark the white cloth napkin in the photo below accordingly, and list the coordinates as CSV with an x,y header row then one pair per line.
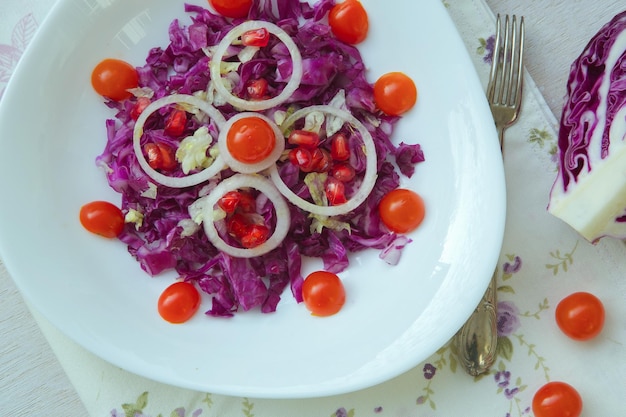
x,y
542,260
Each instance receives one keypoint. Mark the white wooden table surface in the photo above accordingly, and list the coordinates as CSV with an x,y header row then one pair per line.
x,y
32,383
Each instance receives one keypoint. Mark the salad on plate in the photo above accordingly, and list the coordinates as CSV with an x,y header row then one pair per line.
x,y
250,143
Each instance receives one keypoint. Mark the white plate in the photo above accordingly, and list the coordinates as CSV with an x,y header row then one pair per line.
x,y
52,128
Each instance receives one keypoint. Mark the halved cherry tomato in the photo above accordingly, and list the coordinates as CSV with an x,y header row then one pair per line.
x,y
102,218
348,21
580,315
179,302
112,78
323,293
250,140
232,8
401,210
557,399
395,93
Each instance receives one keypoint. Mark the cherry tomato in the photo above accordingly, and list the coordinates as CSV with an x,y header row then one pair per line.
x,y
557,399
232,8
395,93
323,293
179,302
348,21
401,210
112,78
250,140
102,218
580,315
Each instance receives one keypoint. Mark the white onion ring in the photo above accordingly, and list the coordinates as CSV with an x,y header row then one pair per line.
x,y
369,179
256,105
262,184
188,180
242,167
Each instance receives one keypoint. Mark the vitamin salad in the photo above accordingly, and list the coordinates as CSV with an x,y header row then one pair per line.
x,y
250,142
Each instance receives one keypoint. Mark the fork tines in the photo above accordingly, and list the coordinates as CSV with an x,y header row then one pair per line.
x,y
505,79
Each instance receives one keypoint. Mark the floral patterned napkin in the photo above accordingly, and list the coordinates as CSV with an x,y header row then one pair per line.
x,y
542,261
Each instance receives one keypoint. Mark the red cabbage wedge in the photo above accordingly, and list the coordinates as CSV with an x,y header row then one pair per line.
x,y
590,190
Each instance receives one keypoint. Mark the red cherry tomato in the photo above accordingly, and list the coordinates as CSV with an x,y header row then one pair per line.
x,y
348,21
179,302
323,293
232,8
112,78
557,399
580,316
250,140
401,210
395,93
102,218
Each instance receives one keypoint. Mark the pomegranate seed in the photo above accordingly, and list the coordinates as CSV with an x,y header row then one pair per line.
x,y
257,89
247,203
139,107
321,160
237,225
343,172
256,37
153,155
302,158
339,147
160,156
335,191
304,138
175,123
256,235
229,201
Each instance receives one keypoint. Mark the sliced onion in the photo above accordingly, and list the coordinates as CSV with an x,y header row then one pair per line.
x,y
369,179
188,180
242,167
256,105
259,183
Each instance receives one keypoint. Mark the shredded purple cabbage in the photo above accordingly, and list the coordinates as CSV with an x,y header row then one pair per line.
x,y
160,243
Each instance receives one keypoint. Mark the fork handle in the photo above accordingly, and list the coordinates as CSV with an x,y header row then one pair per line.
x,y
477,341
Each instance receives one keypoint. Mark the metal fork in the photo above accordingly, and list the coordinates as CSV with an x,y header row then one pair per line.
x,y
476,342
